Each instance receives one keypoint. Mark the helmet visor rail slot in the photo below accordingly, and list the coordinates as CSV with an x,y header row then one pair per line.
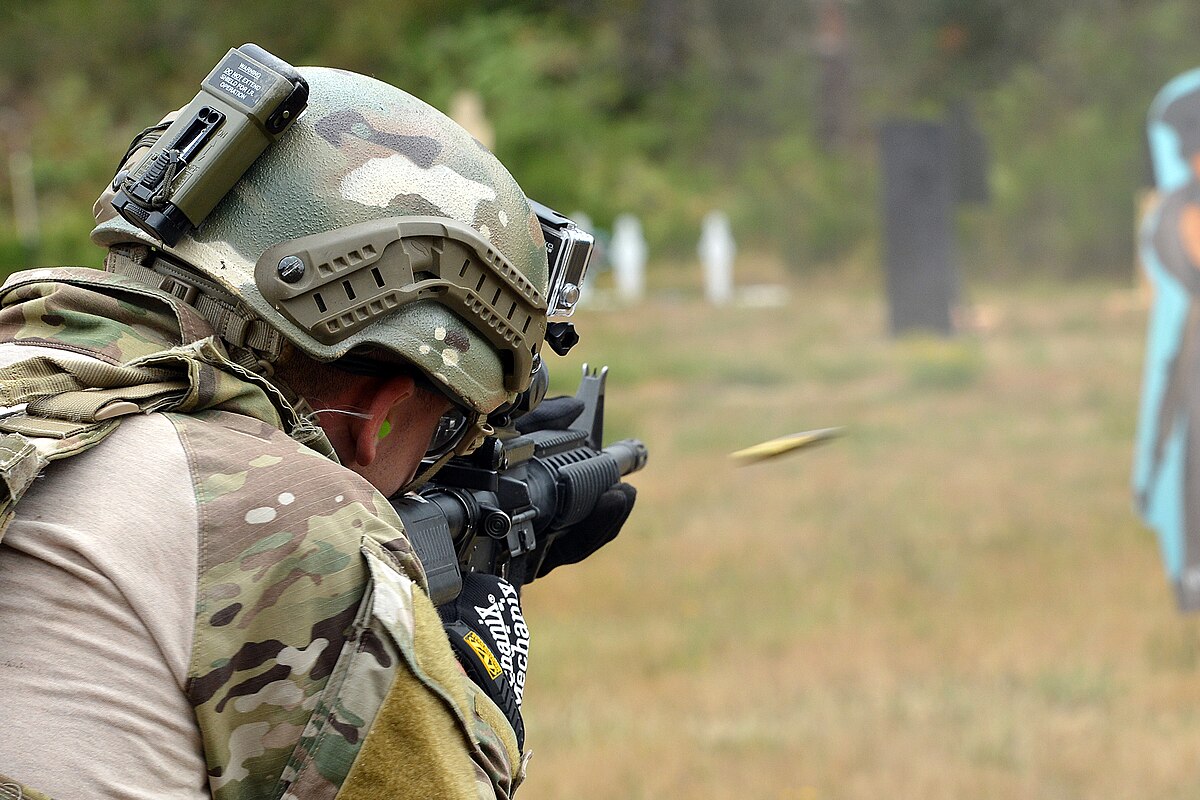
x,y
387,263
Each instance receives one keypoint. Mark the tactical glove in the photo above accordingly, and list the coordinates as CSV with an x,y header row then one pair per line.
x,y
490,639
593,532
552,414
613,507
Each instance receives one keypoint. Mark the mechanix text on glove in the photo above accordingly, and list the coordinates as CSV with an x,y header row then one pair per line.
x,y
491,640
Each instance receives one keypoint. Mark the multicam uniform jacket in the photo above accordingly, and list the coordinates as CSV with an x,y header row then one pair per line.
x,y
318,666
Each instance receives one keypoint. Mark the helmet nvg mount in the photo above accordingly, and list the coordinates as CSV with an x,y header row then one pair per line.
x,y
370,222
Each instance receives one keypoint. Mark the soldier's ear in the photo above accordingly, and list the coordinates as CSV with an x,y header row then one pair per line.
x,y
383,397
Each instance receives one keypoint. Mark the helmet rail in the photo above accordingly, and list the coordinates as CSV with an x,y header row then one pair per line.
x,y
335,283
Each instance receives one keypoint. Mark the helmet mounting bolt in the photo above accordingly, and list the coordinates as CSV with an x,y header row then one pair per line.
x,y
291,269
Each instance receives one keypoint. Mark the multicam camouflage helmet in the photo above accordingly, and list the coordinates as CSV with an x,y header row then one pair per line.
x,y
377,222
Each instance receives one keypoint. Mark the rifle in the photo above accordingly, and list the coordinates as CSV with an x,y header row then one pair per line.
x,y
499,509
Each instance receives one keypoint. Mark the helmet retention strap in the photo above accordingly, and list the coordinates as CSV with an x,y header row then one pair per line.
x,y
251,342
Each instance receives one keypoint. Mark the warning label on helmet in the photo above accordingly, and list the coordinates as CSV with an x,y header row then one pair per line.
x,y
241,80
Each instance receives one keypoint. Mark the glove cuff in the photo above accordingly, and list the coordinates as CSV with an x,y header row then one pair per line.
x,y
483,667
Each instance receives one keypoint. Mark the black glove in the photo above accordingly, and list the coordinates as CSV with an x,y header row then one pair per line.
x,y
490,639
612,508
592,532
552,414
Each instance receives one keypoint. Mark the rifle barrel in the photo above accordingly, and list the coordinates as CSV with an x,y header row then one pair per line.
x,y
630,454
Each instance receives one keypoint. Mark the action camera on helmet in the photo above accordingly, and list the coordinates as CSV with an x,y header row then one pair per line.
x,y
568,249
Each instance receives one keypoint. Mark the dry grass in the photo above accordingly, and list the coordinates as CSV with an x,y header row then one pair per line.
x,y
954,600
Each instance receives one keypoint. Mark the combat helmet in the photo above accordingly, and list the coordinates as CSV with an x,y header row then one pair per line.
x,y
375,223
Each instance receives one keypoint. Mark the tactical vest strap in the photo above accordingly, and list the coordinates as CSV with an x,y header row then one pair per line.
x,y
237,325
42,428
36,378
11,790
20,463
97,405
33,379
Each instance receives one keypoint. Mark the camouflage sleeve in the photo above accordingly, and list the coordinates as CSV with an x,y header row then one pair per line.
x,y
319,666
430,706
500,766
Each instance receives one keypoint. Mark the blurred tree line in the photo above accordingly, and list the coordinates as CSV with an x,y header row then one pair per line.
x,y
666,108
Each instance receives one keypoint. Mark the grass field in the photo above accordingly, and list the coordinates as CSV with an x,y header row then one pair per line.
x,y
953,600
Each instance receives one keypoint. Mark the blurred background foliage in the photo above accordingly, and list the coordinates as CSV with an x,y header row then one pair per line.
x,y
768,109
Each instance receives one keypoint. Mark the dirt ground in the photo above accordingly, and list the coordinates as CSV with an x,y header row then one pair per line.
x,y
955,599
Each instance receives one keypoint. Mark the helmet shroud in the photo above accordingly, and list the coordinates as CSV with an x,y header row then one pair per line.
x,y
369,158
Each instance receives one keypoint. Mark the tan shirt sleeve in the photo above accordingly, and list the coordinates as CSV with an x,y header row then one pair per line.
x,y
97,600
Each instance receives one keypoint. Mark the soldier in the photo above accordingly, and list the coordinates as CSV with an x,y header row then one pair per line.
x,y
215,599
